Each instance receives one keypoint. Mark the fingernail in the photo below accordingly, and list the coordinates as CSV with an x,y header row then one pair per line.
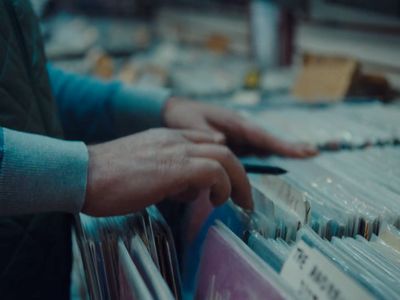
x,y
249,206
313,151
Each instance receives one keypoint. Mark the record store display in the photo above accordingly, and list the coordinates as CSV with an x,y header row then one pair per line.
x,y
321,228
328,228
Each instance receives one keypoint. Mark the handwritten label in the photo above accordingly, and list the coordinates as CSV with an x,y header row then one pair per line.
x,y
313,276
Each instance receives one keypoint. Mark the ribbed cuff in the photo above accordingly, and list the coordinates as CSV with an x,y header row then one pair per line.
x,y
137,109
41,174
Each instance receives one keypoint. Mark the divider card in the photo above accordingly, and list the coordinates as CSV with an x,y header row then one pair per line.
x,y
313,276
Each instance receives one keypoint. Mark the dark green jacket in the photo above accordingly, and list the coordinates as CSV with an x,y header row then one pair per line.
x,y
35,250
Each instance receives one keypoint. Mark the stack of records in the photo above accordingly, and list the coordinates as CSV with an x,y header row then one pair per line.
x,y
349,192
329,228
230,270
336,127
307,268
343,268
128,257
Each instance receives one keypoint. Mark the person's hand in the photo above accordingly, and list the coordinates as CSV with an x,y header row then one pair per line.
x,y
130,173
243,137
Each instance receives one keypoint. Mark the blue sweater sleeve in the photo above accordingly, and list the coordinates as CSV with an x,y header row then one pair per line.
x,y
92,110
84,105
41,174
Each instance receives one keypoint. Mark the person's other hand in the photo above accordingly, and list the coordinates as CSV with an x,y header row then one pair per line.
x,y
130,173
243,137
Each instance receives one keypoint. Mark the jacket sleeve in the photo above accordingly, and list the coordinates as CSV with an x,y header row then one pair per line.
x,y
92,110
40,174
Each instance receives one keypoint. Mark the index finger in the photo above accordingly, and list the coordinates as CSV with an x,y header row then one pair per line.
x,y
266,143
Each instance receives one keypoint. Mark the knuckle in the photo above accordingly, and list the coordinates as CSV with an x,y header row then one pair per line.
x,y
226,153
176,135
214,167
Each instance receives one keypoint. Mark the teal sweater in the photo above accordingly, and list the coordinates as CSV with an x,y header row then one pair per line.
x,y
41,174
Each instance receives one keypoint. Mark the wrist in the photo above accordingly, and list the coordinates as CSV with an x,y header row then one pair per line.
x,y
42,174
93,181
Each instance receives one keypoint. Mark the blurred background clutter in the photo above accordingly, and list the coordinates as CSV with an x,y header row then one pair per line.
x,y
245,51
324,72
